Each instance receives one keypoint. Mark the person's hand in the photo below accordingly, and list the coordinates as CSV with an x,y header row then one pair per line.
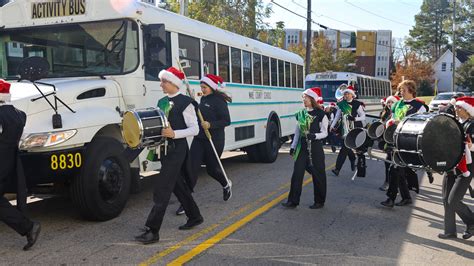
x,y
310,136
168,132
351,118
205,125
292,151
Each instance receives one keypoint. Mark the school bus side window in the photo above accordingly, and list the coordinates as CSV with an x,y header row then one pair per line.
x,y
247,64
190,56
209,57
223,58
236,65
274,71
266,70
151,73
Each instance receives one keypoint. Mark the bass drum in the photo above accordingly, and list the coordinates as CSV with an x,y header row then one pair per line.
x,y
432,141
142,127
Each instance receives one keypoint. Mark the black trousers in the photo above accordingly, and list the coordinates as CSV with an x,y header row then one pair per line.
x,y
341,157
454,190
387,168
170,180
201,152
8,213
398,181
318,172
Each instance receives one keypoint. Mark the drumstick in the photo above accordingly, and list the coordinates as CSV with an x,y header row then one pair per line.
x,y
201,118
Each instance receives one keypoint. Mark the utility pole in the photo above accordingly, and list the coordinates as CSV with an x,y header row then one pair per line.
x,y
453,84
183,7
309,39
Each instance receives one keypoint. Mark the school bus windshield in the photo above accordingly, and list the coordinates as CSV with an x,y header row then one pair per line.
x,y
72,50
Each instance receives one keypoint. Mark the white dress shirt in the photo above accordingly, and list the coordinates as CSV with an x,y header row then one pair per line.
x,y
360,116
190,118
323,133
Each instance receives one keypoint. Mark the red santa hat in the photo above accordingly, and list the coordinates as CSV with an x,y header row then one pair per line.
x,y
349,89
467,103
5,95
172,75
314,93
383,100
393,99
213,81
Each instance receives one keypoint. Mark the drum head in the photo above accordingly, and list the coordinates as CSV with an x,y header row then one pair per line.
x,y
388,135
356,138
131,130
376,130
442,144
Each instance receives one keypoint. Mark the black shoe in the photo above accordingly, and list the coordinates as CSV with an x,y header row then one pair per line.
x,y
180,210
404,202
316,206
333,149
289,205
227,191
447,236
32,235
353,165
468,233
384,187
388,203
191,223
148,236
335,172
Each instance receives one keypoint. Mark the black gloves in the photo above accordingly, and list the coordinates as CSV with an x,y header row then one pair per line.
x,y
351,118
292,151
311,136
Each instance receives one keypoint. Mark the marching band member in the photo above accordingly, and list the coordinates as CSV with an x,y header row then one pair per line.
x,y
398,175
183,123
307,149
12,122
354,110
214,109
384,116
456,183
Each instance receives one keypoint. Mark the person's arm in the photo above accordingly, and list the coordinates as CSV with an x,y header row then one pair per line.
x,y
360,114
223,116
324,128
190,118
336,118
296,138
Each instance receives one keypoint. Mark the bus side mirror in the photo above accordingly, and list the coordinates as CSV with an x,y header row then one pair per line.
x,y
154,36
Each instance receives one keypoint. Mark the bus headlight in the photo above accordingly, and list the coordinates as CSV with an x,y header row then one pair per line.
x,y
46,139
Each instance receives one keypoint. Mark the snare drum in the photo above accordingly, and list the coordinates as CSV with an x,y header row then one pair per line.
x,y
433,141
142,127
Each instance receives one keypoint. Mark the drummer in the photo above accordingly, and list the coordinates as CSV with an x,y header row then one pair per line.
x,y
456,183
384,116
183,123
398,175
215,112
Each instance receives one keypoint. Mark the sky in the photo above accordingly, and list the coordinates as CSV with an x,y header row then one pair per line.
x,y
395,15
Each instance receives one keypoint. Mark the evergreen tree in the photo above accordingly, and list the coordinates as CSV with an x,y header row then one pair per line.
x,y
465,74
428,36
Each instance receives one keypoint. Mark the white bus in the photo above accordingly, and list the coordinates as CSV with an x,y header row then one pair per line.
x,y
368,88
104,59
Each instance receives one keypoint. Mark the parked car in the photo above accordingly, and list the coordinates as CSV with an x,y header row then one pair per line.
x,y
442,99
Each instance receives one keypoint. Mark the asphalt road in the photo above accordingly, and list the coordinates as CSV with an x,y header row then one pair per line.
x,y
252,228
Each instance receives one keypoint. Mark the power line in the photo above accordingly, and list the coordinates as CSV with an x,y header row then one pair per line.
x,y
375,14
327,28
321,15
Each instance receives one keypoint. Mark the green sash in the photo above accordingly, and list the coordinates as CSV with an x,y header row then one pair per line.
x,y
345,107
399,110
304,120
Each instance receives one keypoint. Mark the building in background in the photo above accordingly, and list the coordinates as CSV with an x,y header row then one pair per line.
x,y
443,68
372,48
383,54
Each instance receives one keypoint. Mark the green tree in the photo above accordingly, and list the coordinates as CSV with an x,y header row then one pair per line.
x,y
425,88
465,74
428,36
242,17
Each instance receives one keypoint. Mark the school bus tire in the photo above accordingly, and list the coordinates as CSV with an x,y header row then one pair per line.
x,y
253,154
103,188
268,150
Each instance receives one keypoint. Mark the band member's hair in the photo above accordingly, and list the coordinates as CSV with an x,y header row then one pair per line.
x,y
410,85
222,94
315,104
